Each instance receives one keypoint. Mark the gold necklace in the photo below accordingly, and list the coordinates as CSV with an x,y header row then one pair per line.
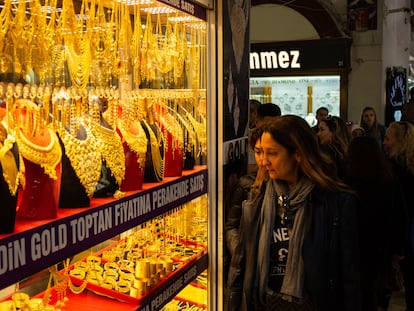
x,y
110,146
5,19
78,47
48,157
178,62
83,154
136,142
74,289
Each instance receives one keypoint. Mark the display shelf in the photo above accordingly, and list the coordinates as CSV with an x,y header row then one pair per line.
x,y
36,245
155,300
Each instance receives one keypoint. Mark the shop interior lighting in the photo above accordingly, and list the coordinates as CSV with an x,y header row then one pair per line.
x,y
159,10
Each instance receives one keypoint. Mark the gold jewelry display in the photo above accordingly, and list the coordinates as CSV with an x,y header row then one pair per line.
x,y
47,157
60,283
124,286
83,154
136,142
20,299
79,271
77,43
110,146
7,305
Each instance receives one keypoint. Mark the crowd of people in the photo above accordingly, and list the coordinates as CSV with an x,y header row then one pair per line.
x,y
325,221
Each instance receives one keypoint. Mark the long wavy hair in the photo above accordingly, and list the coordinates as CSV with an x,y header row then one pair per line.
x,y
374,126
294,133
403,153
340,134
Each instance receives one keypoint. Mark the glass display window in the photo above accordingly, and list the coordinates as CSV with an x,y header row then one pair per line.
x,y
299,95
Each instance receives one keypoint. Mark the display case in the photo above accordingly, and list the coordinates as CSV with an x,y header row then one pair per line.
x,y
107,113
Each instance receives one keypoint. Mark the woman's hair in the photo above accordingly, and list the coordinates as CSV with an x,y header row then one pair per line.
x,y
294,134
404,151
340,134
255,135
367,162
374,126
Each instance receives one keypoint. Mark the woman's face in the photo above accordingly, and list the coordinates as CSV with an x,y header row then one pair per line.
x,y
324,133
258,153
279,163
369,118
390,140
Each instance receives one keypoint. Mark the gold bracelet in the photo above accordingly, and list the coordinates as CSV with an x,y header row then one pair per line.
x,y
78,273
110,283
93,260
94,278
81,265
111,266
7,305
35,304
109,256
96,269
127,276
20,299
48,308
111,274
123,286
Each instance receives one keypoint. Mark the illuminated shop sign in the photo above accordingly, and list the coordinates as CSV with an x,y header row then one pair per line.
x,y
299,56
187,7
274,60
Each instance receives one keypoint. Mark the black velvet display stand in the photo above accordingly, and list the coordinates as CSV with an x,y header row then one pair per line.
x,y
8,201
72,192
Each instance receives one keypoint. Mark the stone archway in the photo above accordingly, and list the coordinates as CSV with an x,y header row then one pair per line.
x,y
312,10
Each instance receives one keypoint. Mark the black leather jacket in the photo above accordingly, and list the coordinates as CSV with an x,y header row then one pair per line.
x,y
330,253
234,210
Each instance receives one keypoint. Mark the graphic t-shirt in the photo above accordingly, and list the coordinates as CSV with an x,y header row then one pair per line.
x,y
278,254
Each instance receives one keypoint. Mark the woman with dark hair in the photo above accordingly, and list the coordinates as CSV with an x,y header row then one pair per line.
x,y
298,246
334,138
381,220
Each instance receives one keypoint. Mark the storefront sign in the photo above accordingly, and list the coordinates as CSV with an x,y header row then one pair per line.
x,y
271,58
53,242
187,7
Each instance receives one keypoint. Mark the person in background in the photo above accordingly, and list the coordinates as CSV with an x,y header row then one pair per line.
x,y
253,106
241,193
369,122
381,220
321,113
298,246
408,111
251,162
354,129
264,111
334,138
268,110
399,145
